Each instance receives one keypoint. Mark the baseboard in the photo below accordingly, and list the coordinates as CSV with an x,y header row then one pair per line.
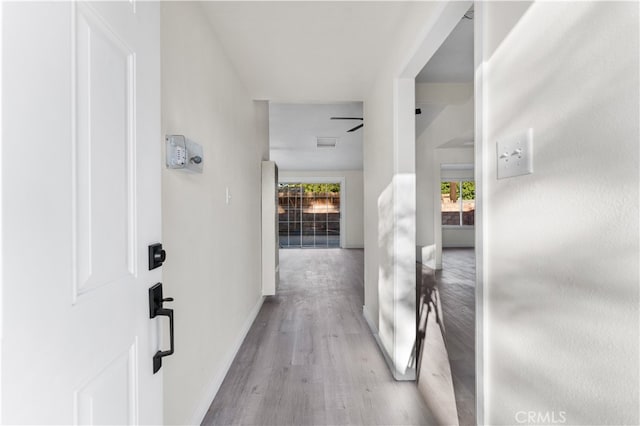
x,y
369,320
212,389
410,374
376,336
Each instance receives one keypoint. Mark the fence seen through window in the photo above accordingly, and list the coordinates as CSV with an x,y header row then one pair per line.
x,y
458,203
309,215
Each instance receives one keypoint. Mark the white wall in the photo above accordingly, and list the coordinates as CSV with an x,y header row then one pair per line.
x,y
378,152
454,122
561,245
213,264
389,176
458,237
352,211
378,155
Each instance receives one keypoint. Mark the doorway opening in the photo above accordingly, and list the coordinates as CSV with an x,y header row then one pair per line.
x,y
446,224
309,215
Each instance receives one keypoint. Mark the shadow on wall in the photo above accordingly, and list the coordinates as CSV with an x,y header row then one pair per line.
x,y
385,270
563,292
396,291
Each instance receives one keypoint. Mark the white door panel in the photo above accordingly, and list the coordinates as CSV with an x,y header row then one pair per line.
x,y
105,213
81,202
109,398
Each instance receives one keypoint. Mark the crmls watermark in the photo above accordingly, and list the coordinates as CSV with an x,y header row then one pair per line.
x,y
541,417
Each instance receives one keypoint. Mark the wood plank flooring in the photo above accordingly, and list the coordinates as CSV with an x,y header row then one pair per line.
x,y
456,284
310,358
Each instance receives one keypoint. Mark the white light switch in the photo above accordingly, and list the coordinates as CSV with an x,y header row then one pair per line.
x,y
227,196
515,155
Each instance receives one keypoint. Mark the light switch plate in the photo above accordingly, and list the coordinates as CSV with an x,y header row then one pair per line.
x,y
515,155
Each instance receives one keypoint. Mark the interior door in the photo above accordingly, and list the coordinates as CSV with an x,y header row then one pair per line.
x,y
80,204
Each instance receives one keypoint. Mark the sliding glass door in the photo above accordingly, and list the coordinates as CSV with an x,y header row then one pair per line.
x,y
309,215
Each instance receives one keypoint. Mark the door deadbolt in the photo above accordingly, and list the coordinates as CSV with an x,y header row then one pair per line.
x,y
157,256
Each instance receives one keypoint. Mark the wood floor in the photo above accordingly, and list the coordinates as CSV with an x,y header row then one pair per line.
x,y
456,284
310,358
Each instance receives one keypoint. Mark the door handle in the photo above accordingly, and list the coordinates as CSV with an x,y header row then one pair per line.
x,y
156,308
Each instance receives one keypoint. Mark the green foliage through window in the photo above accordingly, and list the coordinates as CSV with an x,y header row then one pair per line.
x,y
458,199
310,188
468,190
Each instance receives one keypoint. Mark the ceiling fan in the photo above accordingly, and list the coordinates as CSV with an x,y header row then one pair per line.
x,y
350,118
359,126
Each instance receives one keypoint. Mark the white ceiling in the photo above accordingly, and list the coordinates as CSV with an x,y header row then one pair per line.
x,y
293,129
311,57
453,62
308,51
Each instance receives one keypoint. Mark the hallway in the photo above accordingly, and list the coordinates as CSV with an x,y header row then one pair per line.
x,y
310,358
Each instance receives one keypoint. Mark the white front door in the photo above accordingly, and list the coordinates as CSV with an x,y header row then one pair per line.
x,y
80,204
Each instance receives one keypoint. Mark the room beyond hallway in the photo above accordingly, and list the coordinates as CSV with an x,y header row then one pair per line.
x,y
310,358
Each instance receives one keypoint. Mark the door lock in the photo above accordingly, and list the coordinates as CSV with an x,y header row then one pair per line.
x,y
157,256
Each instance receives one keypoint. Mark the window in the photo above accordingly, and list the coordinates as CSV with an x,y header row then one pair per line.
x,y
309,215
458,202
